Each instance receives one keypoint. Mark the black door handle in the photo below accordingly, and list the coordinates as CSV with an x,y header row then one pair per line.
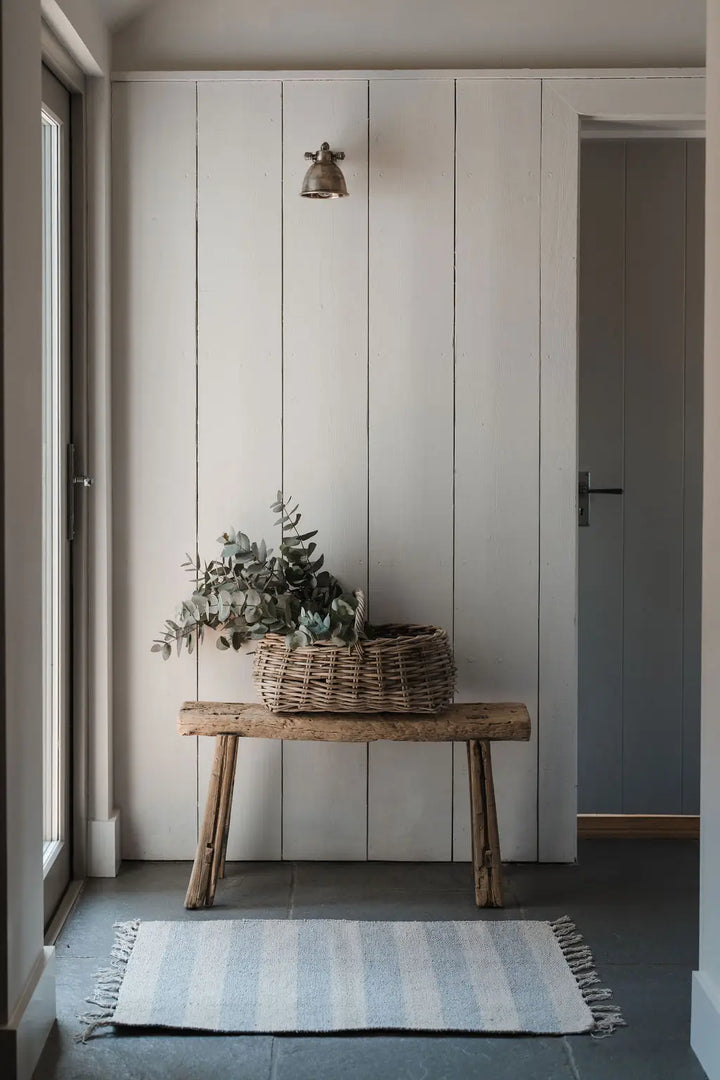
x,y
584,493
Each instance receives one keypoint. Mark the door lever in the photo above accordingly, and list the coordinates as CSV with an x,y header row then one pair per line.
x,y
584,493
74,480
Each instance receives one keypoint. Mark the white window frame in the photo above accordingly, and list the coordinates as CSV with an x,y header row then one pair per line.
x,y
61,64
57,414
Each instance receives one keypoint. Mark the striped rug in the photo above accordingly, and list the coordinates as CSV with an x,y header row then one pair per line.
x,y
254,975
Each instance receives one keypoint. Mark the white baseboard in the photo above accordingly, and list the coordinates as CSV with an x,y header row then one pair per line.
x,y
705,1026
104,847
23,1038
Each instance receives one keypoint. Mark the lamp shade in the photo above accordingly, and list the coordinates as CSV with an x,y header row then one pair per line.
x,y
324,178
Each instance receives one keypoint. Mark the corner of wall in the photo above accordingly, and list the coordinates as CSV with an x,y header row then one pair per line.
x,y
705,1027
79,25
705,1030
23,1037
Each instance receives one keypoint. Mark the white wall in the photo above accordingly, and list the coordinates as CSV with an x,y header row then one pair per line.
x,y
27,986
22,399
321,34
334,347
706,983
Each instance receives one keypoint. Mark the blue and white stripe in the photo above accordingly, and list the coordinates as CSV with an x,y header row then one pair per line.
x,y
281,975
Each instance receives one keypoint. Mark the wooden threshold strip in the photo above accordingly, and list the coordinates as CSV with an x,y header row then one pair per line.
x,y
639,826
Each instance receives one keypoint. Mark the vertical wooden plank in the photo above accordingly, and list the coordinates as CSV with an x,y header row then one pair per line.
x,y
557,699
324,801
153,457
654,362
496,434
240,395
411,428
601,361
692,523
325,423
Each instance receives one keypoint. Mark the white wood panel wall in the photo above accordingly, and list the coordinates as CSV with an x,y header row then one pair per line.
x,y
325,423
327,362
240,394
153,457
411,318
557,668
496,433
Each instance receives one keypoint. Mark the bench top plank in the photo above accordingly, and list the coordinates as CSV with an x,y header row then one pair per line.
x,y
458,723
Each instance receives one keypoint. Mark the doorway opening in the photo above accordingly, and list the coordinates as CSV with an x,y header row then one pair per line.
x,y
640,352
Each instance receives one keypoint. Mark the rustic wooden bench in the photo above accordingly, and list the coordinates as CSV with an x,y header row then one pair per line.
x,y
477,725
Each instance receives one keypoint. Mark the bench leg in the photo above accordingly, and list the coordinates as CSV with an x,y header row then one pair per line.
x,y
201,890
486,864
226,797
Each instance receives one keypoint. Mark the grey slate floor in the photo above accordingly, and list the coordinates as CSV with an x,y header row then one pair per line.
x,y
634,901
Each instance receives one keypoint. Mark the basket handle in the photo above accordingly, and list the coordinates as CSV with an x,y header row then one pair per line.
x,y
359,612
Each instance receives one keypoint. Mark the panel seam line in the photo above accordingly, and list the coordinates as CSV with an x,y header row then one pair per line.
x,y
367,451
282,403
454,449
541,187
197,432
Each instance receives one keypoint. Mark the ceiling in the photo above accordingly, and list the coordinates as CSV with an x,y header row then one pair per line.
x,y
317,34
117,12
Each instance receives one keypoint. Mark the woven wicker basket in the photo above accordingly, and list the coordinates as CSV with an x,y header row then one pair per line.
x,y
403,669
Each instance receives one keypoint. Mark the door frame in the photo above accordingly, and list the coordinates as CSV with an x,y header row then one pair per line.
x,y
80,438
61,64
97,822
566,104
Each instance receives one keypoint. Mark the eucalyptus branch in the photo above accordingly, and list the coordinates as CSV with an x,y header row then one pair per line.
x,y
249,592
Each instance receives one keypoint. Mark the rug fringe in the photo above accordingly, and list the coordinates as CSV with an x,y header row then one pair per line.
x,y
108,981
606,1017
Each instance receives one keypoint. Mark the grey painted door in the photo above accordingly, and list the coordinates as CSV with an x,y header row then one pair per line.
x,y
641,314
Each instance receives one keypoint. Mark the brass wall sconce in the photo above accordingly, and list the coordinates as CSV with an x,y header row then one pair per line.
x,y
324,179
